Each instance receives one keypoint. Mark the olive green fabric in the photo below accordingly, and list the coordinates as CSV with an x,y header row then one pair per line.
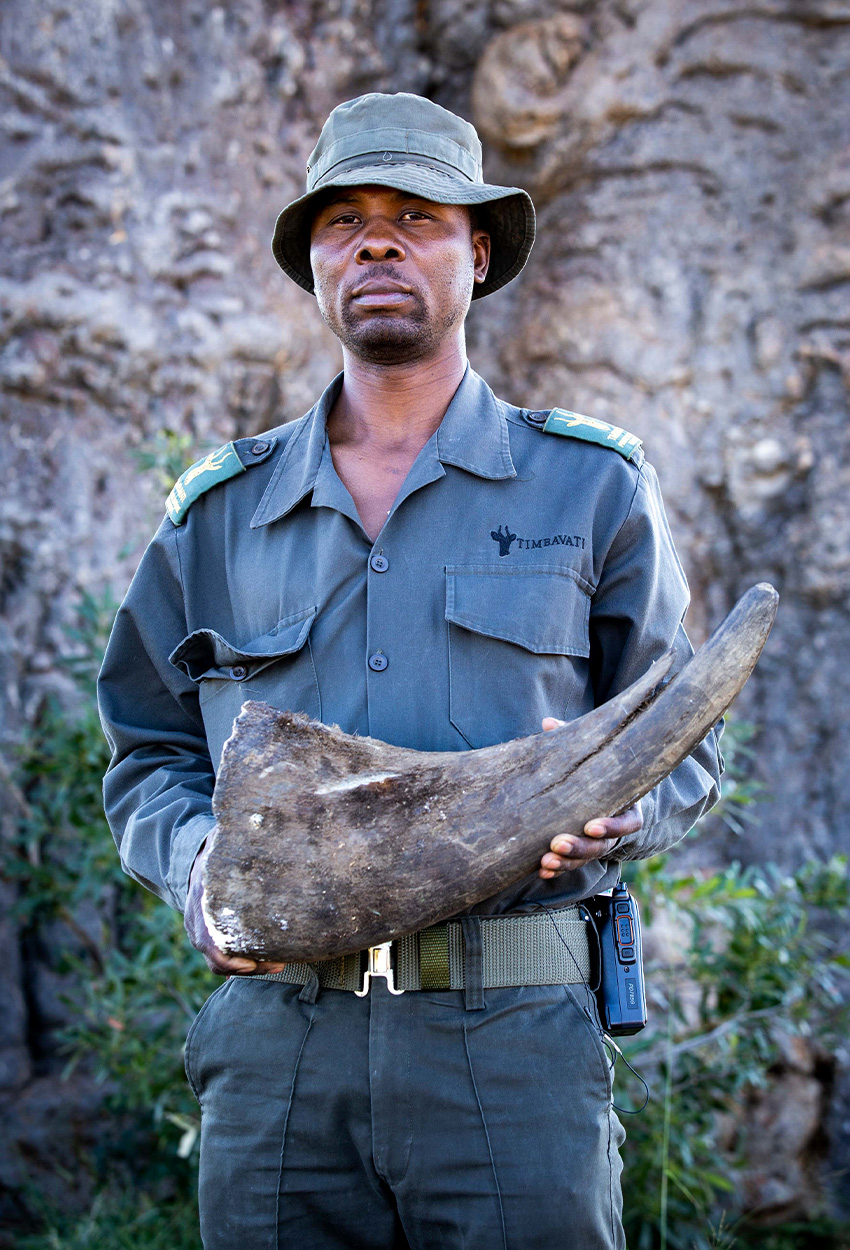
x,y
549,948
434,971
411,144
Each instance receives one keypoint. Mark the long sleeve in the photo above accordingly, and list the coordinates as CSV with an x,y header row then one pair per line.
x,y
636,614
158,788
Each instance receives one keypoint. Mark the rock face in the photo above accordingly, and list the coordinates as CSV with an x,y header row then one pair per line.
x,y
690,161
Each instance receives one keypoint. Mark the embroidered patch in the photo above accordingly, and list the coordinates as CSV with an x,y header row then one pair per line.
x,y
590,430
508,538
504,540
217,467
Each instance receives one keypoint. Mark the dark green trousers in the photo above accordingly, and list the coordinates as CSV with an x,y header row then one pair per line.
x,y
385,1123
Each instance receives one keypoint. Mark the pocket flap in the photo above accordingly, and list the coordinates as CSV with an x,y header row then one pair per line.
x,y
204,653
545,610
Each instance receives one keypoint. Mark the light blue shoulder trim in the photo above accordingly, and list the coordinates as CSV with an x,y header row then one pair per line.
x,y
219,466
591,430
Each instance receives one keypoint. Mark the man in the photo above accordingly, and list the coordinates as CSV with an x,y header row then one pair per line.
x,y
418,561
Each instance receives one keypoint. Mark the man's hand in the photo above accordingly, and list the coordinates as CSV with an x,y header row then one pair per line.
x,y
598,840
193,918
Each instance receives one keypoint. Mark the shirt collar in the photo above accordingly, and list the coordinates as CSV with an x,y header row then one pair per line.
x,y
473,435
298,467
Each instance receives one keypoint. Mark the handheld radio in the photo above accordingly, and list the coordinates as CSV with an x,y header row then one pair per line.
x,y
621,996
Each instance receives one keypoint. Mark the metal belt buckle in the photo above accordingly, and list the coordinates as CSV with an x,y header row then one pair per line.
x,y
378,965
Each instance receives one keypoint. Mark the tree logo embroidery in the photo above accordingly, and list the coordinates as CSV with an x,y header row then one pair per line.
x,y
504,540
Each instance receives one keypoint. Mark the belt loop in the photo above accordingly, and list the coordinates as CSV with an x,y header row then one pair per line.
x,y
310,992
434,963
473,964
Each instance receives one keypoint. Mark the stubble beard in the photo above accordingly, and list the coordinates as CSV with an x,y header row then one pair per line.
x,y
383,338
386,338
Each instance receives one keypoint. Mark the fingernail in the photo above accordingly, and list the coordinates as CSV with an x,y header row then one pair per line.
x,y
243,963
594,828
564,846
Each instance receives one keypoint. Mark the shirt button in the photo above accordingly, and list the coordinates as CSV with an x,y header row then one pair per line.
x,y
378,662
259,447
238,672
380,564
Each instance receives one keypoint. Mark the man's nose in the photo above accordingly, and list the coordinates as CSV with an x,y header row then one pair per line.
x,y
379,242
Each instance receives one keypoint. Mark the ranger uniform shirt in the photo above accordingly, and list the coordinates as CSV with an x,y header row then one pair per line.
x,y
518,575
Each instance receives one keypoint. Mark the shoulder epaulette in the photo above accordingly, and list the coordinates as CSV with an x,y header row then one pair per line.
x,y
589,429
219,466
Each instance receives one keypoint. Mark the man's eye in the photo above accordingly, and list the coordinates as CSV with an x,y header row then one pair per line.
x,y
416,214
344,219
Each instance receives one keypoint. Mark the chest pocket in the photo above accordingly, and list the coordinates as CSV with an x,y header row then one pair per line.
x,y
276,667
519,644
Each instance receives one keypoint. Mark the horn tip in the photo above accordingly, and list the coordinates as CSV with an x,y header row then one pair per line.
x,y
762,600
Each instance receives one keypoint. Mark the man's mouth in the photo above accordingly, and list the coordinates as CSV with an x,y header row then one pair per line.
x,y
381,293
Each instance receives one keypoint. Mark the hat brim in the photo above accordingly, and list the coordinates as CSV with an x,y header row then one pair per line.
x,y
509,218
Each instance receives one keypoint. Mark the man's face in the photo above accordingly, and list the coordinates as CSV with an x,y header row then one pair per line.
x,y
394,273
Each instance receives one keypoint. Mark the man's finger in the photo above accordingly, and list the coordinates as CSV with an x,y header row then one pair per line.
x,y
225,965
601,835
565,851
580,847
550,722
565,865
629,821
235,965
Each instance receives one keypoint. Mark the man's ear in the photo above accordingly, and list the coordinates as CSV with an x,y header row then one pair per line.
x,y
481,253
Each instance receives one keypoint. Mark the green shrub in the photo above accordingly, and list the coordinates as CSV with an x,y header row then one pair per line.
x,y
165,456
134,981
754,968
125,1219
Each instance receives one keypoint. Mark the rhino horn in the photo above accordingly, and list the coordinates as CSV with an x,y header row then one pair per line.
x,y
327,843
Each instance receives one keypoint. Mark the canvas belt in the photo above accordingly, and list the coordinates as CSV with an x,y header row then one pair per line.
x,y
547,948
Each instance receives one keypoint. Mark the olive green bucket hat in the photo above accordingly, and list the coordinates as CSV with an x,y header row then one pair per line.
x,y
411,144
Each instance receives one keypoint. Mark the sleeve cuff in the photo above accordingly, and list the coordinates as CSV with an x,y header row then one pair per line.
x,y
184,850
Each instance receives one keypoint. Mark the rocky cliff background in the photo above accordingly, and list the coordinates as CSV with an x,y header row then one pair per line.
x,y
690,161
